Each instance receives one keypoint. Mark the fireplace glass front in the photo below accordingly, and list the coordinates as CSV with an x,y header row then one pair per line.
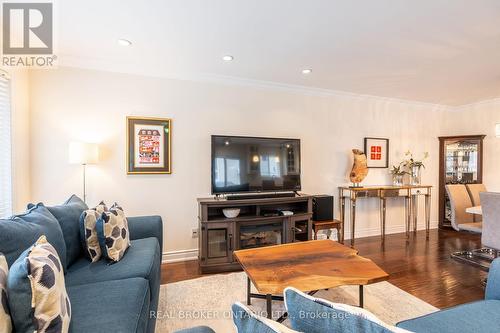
x,y
260,235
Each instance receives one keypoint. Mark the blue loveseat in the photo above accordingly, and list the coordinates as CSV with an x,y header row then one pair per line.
x,y
118,297
480,316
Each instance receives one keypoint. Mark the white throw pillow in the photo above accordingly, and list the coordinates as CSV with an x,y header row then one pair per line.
x,y
245,321
354,311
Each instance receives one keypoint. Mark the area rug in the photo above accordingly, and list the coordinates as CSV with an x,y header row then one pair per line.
x,y
207,301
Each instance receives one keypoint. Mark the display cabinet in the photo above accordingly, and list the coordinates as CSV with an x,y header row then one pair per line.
x,y
460,162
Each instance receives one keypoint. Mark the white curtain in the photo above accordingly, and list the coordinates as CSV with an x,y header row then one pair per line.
x,y
5,149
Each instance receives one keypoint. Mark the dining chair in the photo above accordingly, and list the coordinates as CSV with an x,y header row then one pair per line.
x,y
474,190
490,235
459,202
490,203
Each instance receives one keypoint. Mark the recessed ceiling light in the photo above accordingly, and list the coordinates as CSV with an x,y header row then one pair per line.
x,y
124,42
227,58
307,71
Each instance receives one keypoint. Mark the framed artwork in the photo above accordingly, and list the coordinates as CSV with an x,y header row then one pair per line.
x,y
377,152
149,145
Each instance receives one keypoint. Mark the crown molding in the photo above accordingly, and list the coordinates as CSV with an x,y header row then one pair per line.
x,y
467,107
129,68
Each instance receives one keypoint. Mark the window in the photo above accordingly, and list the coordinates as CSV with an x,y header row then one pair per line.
x,y
270,166
5,149
227,172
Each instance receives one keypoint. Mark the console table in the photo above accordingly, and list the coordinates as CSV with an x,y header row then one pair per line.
x,y
410,193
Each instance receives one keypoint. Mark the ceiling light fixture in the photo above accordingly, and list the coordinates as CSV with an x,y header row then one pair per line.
x,y
124,42
307,71
227,58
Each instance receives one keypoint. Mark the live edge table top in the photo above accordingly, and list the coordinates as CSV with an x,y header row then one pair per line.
x,y
307,266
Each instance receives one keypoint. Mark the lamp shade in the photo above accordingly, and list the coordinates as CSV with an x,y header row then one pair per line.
x,y
83,153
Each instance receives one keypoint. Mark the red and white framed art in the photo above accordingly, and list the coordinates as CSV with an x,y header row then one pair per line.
x,y
377,152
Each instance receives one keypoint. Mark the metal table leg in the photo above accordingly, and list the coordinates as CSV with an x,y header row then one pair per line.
x,y
383,206
415,212
269,302
249,286
427,213
353,219
408,210
361,296
342,215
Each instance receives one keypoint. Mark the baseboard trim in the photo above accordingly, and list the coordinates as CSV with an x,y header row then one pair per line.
x,y
369,232
181,255
192,254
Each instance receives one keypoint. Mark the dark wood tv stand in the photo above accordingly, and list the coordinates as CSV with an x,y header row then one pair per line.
x,y
257,225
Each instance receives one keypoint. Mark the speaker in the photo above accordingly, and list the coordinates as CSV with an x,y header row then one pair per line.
x,y
322,207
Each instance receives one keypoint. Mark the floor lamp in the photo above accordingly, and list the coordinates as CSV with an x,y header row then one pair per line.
x,y
83,153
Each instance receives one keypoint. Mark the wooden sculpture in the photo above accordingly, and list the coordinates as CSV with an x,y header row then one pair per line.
x,y
359,168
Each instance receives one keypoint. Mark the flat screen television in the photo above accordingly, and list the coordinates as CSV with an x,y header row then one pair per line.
x,y
250,164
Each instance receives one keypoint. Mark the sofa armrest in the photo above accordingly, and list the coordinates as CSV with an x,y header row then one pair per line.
x,y
146,226
493,285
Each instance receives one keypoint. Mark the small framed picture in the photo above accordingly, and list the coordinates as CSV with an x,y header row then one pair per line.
x,y
149,145
377,152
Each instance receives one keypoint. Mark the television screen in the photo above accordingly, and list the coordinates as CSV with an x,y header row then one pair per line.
x,y
247,164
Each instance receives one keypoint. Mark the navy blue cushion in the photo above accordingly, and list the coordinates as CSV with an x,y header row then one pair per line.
x,y
110,306
143,259
139,261
19,291
21,231
68,216
481,316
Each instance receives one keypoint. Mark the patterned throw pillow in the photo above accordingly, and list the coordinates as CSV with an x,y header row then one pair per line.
x,y
88,231
5,322
112,229
37,294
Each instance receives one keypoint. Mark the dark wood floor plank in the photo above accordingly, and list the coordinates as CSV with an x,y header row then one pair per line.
x,y
420,267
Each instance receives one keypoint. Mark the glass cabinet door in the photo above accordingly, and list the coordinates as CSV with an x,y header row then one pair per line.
x,y
462,161
218,244
461,166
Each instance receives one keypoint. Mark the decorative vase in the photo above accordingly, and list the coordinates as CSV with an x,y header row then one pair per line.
x,y
397,180
416,175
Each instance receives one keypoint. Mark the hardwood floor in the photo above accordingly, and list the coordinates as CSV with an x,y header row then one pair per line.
x,y
421,268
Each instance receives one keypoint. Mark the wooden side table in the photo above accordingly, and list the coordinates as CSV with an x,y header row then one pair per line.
x,y
330,224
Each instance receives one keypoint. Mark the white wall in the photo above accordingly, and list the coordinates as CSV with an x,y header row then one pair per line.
x,y
481,118
20,139
74,104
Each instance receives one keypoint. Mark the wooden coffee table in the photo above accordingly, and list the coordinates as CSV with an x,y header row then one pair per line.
x,y
308,266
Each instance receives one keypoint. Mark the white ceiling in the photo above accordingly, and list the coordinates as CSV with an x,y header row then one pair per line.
x,y
437,51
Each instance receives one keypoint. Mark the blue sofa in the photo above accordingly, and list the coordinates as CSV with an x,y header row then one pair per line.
x,y
480,316
119,297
